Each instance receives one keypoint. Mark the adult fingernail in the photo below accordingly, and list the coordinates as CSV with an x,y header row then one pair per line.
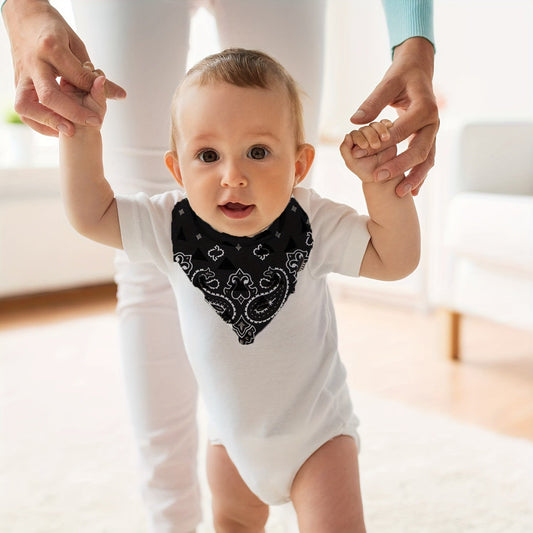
x,y
405,189
383,175
93,121
63,128
359,115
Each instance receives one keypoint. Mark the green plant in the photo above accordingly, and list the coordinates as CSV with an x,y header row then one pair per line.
x,y
12,117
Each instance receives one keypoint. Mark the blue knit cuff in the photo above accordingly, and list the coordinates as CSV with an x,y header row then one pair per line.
x,y
409,18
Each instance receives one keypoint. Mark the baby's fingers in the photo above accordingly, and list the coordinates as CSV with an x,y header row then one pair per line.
x,y
373,135
377,132
370,139
358,140
98,93
96,100
348,147
382,128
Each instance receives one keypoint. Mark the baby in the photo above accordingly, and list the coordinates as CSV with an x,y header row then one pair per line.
x,y
247,252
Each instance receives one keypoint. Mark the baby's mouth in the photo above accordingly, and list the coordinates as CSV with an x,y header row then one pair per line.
x,y
236,210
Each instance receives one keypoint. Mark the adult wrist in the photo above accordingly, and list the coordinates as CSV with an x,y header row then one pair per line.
x,y
5,4
418,50
15,13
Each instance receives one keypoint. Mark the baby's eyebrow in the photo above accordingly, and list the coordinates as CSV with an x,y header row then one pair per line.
x,y
265,135
202,137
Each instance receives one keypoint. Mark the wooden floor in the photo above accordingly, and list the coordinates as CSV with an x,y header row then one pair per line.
x,y
388,350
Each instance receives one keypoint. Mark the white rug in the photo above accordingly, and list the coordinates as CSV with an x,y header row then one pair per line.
x,y
67,463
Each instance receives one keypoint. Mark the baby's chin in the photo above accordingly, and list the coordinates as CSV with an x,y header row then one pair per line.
x,y
241,230
244,233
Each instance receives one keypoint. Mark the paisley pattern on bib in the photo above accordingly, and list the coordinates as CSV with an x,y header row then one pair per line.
x,y
246,280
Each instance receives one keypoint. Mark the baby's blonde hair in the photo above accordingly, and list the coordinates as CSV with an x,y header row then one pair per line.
x,y
243,68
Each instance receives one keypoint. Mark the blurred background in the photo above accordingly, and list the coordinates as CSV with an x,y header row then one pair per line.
x,y
483,73
454,338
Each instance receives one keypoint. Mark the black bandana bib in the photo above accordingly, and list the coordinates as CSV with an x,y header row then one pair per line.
x,y
245,279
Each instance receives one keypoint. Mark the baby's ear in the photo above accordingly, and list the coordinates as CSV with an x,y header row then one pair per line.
x,y
305,156
172,163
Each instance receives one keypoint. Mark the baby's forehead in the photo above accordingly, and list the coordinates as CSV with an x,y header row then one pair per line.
x,y
277,103
196,81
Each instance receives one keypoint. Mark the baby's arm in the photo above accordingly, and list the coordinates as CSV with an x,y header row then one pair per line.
x,y
89,201
393,251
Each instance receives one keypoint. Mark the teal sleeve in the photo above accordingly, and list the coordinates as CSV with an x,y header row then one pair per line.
x,y
409,18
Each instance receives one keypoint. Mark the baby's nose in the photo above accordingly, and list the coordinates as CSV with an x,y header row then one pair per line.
x,y
233,176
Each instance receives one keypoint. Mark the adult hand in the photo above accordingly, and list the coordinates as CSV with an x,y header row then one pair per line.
x,y
407,86
44,47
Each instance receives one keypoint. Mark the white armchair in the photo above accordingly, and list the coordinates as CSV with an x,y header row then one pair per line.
x,y
487,257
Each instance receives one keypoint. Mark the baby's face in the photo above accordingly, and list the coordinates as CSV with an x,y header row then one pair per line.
x,y
237,155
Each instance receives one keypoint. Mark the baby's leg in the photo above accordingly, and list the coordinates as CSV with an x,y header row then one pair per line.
x,y
326,492
235,507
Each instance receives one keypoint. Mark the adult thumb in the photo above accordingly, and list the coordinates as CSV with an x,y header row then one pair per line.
x,y
378,99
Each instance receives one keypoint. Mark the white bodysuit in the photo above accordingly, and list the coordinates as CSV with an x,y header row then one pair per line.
x,y
273,402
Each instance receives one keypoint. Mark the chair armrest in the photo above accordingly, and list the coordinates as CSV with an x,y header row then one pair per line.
x,y
496,157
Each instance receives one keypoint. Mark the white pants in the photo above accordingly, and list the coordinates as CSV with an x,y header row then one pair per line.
x,y
143,46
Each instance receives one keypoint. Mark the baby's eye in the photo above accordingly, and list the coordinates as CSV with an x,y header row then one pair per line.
x,y
208,156
258,152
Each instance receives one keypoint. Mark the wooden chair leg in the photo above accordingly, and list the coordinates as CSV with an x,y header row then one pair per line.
x,y
452,334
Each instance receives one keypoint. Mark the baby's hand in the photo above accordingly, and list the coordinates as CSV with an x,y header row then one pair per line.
x,y
360,140
95,100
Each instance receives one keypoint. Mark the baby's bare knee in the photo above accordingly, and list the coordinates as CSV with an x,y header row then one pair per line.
x,y
331,523
240,519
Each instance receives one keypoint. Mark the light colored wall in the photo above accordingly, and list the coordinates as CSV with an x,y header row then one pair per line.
x,y
484,69
485,57
484,60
